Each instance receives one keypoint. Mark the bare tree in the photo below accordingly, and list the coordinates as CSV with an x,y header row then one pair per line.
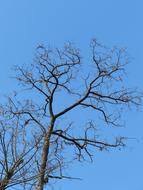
x,y
57,85
17,153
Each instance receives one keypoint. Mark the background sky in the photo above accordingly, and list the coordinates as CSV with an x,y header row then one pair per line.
x,y
24,24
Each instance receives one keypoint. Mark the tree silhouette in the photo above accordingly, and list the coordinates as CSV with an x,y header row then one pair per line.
x,y
36,132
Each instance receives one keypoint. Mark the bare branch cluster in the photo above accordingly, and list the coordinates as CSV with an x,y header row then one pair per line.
x,y
32,144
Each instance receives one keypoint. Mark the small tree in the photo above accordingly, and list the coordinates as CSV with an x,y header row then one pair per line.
x,y
39,132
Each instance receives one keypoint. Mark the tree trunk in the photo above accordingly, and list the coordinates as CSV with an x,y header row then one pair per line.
x,y
45,152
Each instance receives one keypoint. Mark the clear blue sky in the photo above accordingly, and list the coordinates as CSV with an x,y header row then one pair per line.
x,y
24,24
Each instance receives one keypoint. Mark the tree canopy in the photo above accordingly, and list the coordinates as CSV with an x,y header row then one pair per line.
x,y
36,132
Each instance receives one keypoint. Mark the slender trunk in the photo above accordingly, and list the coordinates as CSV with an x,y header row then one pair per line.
x,y
45,152
44,159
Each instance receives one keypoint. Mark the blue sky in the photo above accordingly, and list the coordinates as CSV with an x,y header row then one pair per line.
x,y
24,24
